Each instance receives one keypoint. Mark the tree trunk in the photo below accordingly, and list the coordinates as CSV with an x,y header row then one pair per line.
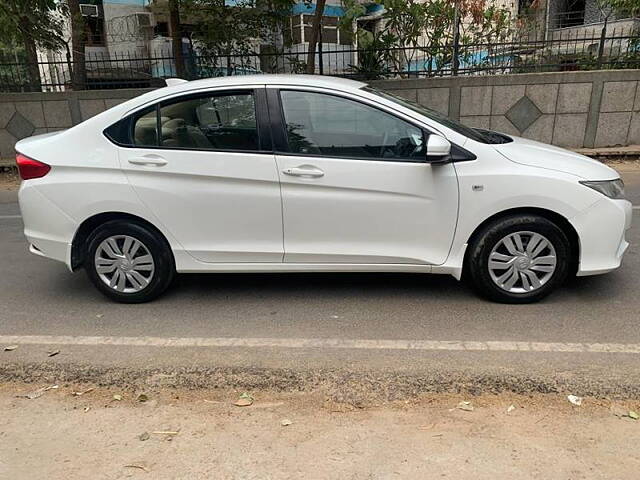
x,y
603,36
315,33
33,72
78,43
176,38
455,65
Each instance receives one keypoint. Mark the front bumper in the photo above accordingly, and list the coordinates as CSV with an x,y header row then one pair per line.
x,y
601,229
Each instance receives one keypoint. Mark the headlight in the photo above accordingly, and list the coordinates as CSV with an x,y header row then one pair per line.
x,y
610,188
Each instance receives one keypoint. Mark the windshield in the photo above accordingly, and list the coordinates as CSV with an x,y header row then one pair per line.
x,y
478,135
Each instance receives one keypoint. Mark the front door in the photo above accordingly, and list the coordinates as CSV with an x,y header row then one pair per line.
x,y
355,185
202,167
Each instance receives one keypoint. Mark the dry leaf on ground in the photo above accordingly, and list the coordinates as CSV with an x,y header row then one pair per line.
x,y
577,401
38,393
79,394
140,466
244,400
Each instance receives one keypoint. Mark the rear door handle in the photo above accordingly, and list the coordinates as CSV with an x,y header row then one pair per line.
x,y
308,171
151,160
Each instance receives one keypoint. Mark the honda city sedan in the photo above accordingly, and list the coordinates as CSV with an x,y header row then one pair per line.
x,y
286,173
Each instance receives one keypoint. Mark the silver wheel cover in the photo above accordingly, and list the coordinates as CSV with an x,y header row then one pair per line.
x,y
522,262
124,264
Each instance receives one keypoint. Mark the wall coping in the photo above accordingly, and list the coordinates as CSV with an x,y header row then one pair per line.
x,y
126,93
398,84
512,79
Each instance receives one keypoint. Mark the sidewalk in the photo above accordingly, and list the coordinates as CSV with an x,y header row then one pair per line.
x,y
99,435
631,152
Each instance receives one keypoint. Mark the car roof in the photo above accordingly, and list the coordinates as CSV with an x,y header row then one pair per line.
x,y
176,88
269,79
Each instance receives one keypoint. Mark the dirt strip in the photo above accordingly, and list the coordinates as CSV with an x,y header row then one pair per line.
x,y
80,431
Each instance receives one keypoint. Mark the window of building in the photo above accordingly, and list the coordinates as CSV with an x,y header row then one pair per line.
x,y
301,26
571,13
161,29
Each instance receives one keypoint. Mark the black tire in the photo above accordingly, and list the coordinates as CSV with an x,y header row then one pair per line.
x,y
164,266
477,259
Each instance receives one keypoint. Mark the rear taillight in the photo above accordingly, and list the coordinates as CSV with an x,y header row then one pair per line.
x,y
30,168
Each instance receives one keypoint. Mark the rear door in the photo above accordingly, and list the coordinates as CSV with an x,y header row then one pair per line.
x,y
356,188
203,164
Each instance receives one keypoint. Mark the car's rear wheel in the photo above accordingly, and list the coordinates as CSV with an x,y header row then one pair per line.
x,y
519,259
129,262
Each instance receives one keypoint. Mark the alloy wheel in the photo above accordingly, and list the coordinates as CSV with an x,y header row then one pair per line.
x,y
522,262
124,263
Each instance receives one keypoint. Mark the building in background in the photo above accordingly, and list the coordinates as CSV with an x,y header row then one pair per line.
x,y
572,31
118,36
129,43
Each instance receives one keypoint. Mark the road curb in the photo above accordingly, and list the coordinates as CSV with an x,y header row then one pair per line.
x,y
360,388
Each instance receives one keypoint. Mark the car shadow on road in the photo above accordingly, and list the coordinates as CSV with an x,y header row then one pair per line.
x,y
318,287
441,288
322,283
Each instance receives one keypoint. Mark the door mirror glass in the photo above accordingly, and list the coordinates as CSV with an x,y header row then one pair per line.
x,y
438,149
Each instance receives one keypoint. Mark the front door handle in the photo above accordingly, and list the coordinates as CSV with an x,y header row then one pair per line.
x,y
152,160
308,171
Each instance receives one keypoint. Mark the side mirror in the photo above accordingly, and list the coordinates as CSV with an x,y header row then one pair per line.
x,y
438,149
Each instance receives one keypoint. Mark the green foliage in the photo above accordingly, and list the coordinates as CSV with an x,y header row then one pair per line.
x,y
296,65
427,29
225,29
27,24
374,57
39,21
619,7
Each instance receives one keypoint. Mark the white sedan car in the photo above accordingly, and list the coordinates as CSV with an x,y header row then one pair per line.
x,y
279,173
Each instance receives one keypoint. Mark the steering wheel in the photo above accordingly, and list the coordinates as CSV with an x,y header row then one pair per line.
x,y
407,147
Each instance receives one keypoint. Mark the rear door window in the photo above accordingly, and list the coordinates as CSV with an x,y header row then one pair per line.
x,y
213,122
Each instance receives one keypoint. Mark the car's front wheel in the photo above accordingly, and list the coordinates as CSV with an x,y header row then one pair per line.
x,y
519,259
128,262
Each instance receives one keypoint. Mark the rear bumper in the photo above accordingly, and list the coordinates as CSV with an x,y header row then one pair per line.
x,y
601,229
49,231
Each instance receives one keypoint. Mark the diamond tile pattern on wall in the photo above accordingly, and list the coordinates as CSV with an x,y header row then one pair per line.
x,y
19,126
523,114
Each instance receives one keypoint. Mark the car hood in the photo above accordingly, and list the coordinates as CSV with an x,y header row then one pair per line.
x,y
536,154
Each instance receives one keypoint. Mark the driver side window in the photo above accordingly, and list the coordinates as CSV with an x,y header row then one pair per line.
x,y
332,126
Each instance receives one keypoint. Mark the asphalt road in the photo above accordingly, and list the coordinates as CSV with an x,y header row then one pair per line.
x,y
364,331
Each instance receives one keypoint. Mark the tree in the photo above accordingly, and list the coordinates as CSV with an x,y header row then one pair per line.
x,y
32,23
78,45
176,37
232,32
608,8
315,33
429,29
